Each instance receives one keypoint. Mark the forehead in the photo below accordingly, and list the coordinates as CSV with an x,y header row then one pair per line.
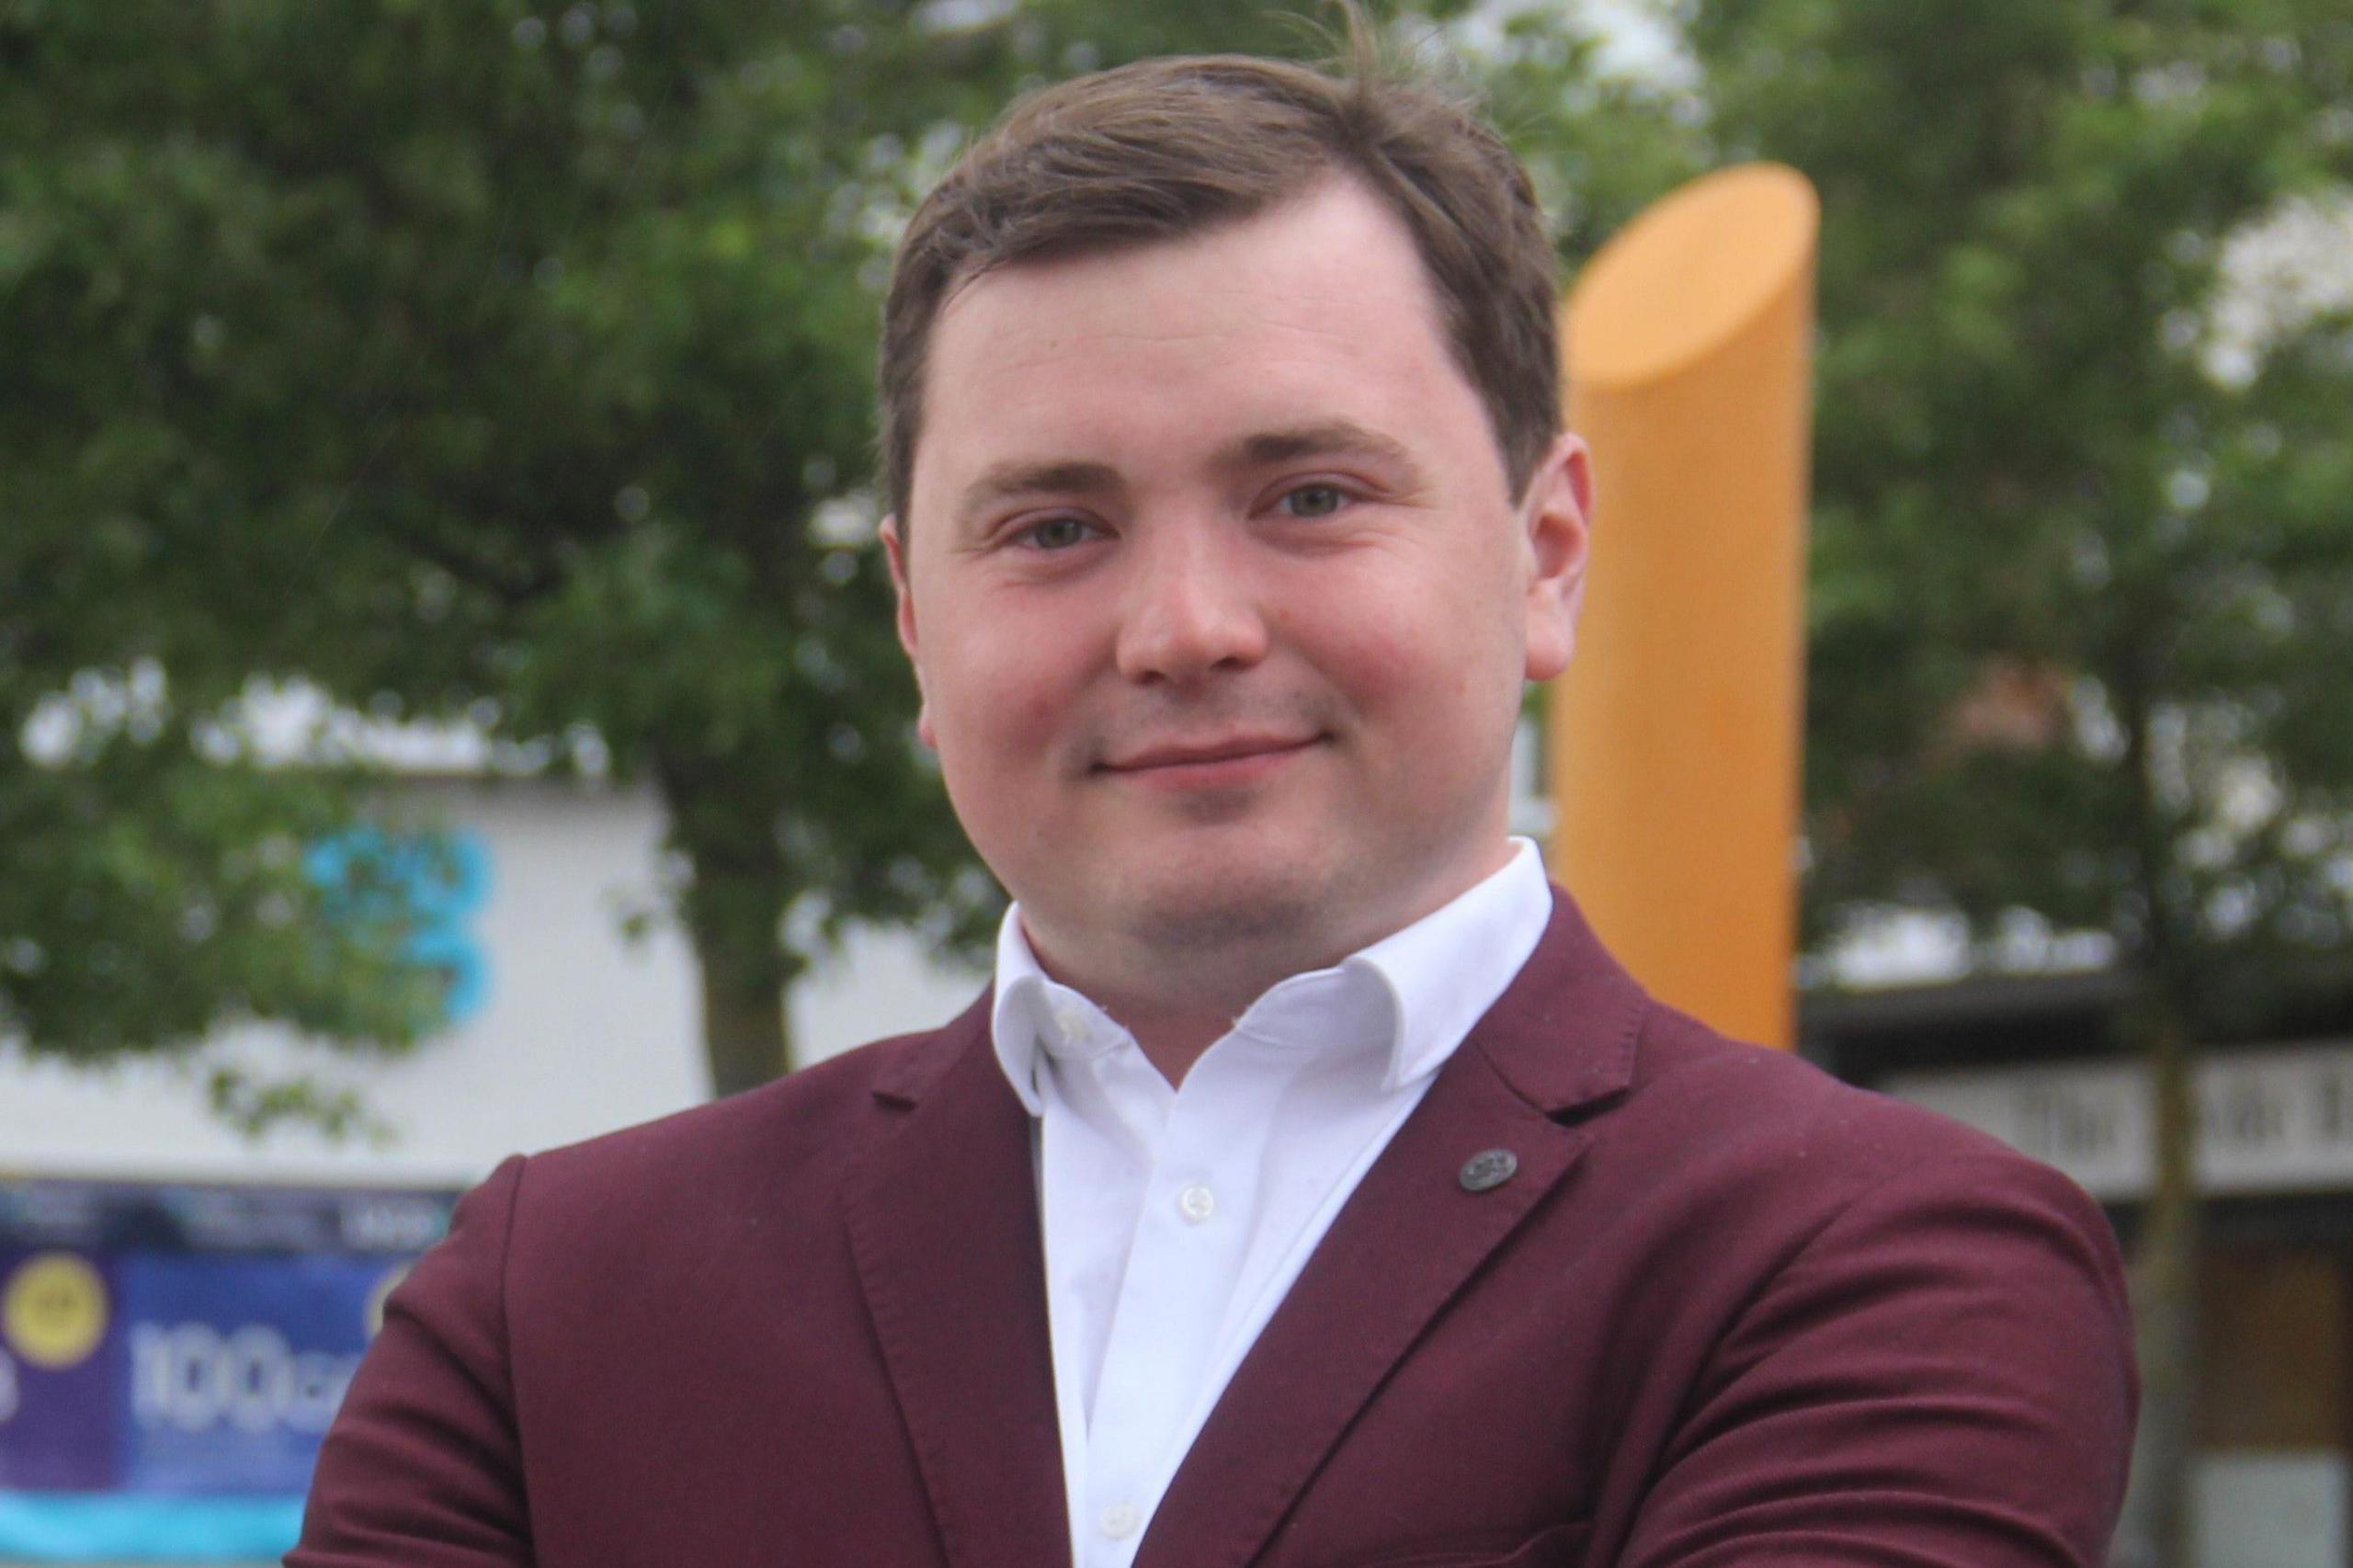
x,y
1319,309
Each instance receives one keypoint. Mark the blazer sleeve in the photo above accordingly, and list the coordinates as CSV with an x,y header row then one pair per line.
x,y
422,1467
1942,1377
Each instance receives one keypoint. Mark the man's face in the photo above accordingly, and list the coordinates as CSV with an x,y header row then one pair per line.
x,y
1216,593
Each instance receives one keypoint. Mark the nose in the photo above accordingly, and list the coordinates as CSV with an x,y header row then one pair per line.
x,y
1189,609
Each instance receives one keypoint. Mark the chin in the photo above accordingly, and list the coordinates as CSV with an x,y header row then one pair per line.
x,y
1243,901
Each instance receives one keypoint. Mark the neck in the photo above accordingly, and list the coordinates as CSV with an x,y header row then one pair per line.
x,y
1173,1038
1178,1005
1187,1007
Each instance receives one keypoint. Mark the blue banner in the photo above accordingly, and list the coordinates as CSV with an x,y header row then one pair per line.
x,y
171,1355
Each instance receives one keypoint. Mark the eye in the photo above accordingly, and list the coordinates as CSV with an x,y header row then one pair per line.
x,y
1056,533
1312,500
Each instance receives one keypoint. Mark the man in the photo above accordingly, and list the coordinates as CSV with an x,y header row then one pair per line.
x,y
1309,1188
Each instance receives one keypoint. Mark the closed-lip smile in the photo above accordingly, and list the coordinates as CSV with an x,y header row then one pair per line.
x,y
1195,754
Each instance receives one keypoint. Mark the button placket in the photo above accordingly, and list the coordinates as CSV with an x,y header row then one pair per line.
x,y
1163,1336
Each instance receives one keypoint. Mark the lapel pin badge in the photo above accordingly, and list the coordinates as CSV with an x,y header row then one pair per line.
x,y
1487,1169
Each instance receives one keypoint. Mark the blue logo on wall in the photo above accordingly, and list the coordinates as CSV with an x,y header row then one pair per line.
x,y
438,882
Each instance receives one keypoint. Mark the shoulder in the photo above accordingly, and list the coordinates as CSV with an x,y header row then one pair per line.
x,y
1717,1136
1693,1135
1684,1104
1776,1101
784,1144
1772,1197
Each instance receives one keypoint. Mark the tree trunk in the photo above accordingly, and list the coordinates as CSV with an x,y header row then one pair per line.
x,y
2161,1524
734,909
2165,1289
744,1034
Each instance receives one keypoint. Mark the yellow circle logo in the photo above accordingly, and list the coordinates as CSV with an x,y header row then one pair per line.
x,y
53,1310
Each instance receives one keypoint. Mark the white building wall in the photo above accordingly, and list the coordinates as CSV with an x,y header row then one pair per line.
x,y
579,1030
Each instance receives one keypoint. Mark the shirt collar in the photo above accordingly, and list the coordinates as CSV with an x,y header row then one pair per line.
x,y
1414,994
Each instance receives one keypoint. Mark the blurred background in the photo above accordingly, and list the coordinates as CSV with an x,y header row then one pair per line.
x,y
448,704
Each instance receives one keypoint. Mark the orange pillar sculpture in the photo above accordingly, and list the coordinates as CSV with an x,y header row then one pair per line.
x,y
1674,740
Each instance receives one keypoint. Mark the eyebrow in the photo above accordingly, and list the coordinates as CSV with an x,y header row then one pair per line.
x,y
1329,437
1003,481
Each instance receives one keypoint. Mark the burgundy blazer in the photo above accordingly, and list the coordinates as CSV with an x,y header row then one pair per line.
x,y
1727,1310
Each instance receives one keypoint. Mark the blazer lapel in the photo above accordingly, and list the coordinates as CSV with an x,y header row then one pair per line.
x,y
943,1221
1561,1038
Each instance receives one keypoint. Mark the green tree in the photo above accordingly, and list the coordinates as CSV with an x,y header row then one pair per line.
x,y
2083,567
157,885
510,363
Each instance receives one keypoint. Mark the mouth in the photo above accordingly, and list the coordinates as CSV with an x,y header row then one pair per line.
x,y
1229,760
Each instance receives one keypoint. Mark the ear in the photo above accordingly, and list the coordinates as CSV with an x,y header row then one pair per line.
x,y
1556,515
894,549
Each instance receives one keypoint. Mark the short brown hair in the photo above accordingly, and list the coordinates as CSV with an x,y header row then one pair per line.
x,y
1167,147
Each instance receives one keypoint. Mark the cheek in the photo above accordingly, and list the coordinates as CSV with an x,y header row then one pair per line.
x,y
1374,660
1427,646
996,744
998,690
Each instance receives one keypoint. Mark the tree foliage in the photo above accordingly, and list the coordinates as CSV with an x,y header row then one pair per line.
x,y
493,361
156,885
2083,560
2083,567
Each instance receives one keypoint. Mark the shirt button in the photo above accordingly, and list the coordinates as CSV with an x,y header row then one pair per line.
x,y
1196,1203
1071,1020
1120,1520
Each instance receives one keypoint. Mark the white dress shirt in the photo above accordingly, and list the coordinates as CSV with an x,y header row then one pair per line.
x,y
1175,1220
